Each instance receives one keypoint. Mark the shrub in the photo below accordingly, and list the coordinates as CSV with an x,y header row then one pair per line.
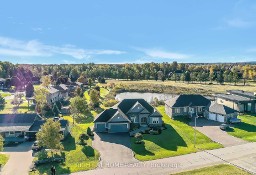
x,y
89,132
110,103
138,137
154,132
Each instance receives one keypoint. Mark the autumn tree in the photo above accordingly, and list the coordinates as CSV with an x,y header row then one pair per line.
x,y
46,80
41,98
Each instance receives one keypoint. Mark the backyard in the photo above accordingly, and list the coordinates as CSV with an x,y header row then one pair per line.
x,y
77,157
245,130
177,139
223,169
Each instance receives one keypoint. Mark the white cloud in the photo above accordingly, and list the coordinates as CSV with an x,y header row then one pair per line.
x,y
37,29
34,48
238,23
156,53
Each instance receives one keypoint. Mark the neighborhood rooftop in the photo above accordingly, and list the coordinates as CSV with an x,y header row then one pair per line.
x,y
243,93
221,109
232,97
188,100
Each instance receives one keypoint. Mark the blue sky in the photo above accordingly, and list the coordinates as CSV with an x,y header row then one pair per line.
x,y
131,31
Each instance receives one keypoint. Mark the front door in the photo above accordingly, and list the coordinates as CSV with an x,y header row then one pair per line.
x,y
143,121
191,110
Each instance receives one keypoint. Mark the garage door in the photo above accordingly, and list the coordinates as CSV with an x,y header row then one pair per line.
x,y
122,127
212,116
220,118
100,127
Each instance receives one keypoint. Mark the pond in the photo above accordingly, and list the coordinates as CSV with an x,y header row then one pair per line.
x,y
149,97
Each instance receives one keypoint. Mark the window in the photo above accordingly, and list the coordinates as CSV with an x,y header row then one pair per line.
x,y
143,120
177,110
185,109
155,120
199,109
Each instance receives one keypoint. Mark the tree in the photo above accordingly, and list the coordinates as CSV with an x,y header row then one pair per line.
x,y
94,98
46,80
90,82
49,135
187,76
78,106
1,143
29,90
79,92
235,76
2,102
220,77
41,98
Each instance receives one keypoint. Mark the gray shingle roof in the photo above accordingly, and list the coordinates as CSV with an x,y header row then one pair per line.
x,y
243,93
38,123
221,109
52,90
126,104
105,115
188,100
232,97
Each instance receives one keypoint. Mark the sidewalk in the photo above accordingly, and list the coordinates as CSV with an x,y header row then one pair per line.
x,y
243,156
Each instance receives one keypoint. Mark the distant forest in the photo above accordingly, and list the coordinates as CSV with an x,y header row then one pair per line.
x,y
228,72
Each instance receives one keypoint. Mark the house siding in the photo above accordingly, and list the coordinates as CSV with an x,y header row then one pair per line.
x,y
233,105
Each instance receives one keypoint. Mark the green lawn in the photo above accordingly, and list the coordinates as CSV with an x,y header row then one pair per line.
x,y
5,94
3,159
23,108
78,158
176,140
245,130
223,169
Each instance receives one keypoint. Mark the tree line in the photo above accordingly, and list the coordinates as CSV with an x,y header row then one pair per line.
x,y
224,72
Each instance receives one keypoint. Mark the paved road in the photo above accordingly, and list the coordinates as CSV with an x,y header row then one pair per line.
x,y
241,155
19,161
114,148
211,129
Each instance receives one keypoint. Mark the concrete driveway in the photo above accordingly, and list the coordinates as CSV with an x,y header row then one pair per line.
x,y
211,129
114,149
19,161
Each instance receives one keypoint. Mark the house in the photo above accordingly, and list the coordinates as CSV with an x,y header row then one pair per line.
x,y
14,126
126,114
36,126
53,96
186,104
220,113
63,90
239,100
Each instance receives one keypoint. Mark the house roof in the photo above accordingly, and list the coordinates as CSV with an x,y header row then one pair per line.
x,y
61,87
231,97
221,109
136,108
16,122
243,93
188,100
105,115
10,119
52,90
127,104
38,123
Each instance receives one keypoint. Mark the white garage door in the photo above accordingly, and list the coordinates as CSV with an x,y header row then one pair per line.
x,y
212,116
220,118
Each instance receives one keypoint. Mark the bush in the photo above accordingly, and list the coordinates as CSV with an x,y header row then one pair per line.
x,y
110,103
89,132
139,137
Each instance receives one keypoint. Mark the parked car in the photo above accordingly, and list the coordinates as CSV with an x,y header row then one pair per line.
x,y
234,120
224,127
36,147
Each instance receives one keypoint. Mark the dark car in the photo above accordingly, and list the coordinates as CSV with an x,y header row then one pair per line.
x,y
224,127
36,147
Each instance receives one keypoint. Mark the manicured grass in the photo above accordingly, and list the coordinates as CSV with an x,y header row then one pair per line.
x,y
77,157
5,94
177,139
245,130
3,159
223,169
23,108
